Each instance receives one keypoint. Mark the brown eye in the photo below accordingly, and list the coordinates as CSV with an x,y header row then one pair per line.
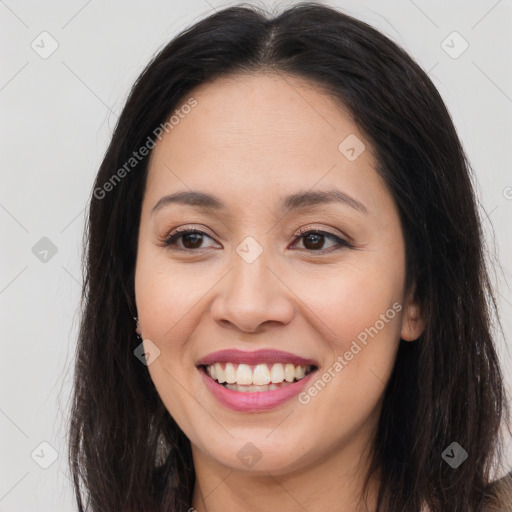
x,y
190,239
314,240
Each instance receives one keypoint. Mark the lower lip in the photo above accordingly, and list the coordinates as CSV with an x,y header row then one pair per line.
x,y
258,401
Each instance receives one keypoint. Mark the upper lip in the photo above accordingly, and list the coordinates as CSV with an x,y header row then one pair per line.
x,y
254,357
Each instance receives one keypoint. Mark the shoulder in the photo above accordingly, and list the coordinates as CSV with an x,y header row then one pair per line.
x,y
499,495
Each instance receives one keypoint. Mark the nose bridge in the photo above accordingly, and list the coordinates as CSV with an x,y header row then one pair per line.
x,y
253,294
252,277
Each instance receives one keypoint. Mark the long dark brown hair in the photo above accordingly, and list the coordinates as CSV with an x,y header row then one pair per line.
x,y
126,451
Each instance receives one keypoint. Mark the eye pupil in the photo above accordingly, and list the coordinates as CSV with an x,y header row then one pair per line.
x,y
316,239
195,243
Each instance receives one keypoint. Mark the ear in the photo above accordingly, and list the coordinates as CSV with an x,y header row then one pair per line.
x,y
413,322
137,328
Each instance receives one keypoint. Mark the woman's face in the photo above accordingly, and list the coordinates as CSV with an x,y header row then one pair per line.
x,y
300,259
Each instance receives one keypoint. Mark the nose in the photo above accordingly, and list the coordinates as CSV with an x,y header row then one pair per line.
x,y
252,297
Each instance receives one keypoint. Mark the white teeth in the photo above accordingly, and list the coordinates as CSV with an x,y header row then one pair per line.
x,y
289,372
259,375
230,373
221,376
300,372
255,389
243,374
277,373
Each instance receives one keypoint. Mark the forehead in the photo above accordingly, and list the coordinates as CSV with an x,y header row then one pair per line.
x,y
256,135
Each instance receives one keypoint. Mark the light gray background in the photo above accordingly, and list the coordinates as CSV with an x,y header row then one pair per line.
x,y
57,117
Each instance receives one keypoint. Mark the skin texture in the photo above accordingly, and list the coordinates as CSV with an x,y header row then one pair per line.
x,y
250,141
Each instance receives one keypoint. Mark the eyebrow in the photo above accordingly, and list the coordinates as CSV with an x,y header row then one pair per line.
x,y
297,201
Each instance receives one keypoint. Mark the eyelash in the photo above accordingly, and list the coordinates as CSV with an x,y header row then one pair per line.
x,y
169,241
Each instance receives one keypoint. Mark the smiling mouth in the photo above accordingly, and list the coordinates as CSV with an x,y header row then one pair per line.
x,y
256,378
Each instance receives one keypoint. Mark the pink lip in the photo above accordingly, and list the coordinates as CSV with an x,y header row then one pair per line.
x,y
254,402
255,357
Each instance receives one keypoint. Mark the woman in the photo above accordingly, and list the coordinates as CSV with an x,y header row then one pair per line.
x,y
285,218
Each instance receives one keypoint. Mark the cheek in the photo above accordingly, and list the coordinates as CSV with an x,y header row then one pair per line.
x,y
354,298
358,313
167,306
361,320
167,296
